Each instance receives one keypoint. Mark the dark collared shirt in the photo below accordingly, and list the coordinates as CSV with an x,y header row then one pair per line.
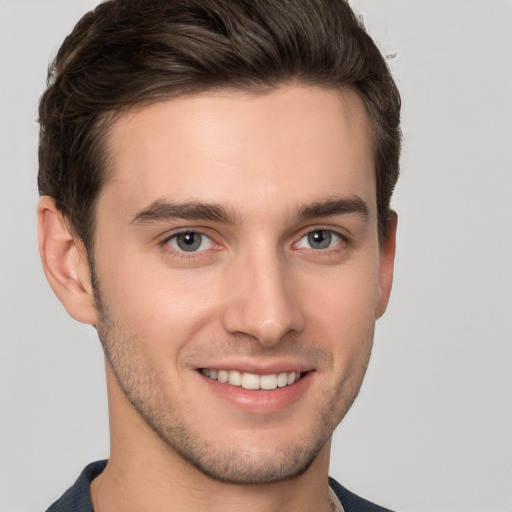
x,y
78,498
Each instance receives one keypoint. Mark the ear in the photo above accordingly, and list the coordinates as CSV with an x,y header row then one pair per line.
x,y
65,262
387,261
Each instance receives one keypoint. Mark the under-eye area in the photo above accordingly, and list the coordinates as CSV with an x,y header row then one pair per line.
x,y
267,382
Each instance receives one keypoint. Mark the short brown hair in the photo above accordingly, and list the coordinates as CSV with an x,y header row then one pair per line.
x,y
130,52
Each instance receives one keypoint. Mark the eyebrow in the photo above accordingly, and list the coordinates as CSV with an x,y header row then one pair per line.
x,y
334,206
163,210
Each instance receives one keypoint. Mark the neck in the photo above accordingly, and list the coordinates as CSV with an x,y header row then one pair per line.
x,y
148,488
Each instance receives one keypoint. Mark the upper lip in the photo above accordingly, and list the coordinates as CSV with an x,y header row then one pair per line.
x,y
258,367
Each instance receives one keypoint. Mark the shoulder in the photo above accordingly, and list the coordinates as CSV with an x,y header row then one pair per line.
x,y
77,498
353,503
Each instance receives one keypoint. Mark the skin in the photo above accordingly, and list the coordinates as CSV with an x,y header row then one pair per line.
x,y
255,296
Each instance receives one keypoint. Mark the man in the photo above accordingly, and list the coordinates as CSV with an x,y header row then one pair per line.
x,y
215,179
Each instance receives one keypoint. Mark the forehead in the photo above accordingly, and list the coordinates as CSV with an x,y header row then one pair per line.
x,y
281,149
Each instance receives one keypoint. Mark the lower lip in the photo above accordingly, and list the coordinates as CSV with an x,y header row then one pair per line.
x,y
260,401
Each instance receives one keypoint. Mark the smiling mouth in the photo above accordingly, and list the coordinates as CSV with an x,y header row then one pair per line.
x,y
253,381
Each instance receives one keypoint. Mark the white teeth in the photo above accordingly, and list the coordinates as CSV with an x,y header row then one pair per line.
x,y
235,378
268,381
251,380
282,380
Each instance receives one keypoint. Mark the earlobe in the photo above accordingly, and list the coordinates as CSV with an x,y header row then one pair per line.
x,y
387,261
65,263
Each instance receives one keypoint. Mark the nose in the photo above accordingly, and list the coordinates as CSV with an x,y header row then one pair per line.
x,y
262,302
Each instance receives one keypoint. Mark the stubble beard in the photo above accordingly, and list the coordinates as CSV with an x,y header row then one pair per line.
x,y
238,465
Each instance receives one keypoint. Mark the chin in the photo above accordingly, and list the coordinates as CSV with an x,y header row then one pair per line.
x,y
250,465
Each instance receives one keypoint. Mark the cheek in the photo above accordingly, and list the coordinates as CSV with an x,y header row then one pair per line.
x,y
343,311
163,308
345,297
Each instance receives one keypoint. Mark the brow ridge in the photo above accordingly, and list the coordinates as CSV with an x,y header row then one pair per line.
x,y
161,210
334,206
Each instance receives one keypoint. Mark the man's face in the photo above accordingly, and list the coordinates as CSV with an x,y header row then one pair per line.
x,y
237,238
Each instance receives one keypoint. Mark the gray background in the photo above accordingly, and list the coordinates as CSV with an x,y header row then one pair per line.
x,y
432,427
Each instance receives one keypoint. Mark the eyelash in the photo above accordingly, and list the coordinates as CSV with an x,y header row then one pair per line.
x,y
343,239
182,253
194,254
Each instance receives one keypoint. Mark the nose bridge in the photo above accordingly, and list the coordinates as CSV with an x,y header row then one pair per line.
x,y
263,305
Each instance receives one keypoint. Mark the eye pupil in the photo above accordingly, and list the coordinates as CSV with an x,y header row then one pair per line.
x,y
189,241
320,239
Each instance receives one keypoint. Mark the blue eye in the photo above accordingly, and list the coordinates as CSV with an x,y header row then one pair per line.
x,y
190,241
320,239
